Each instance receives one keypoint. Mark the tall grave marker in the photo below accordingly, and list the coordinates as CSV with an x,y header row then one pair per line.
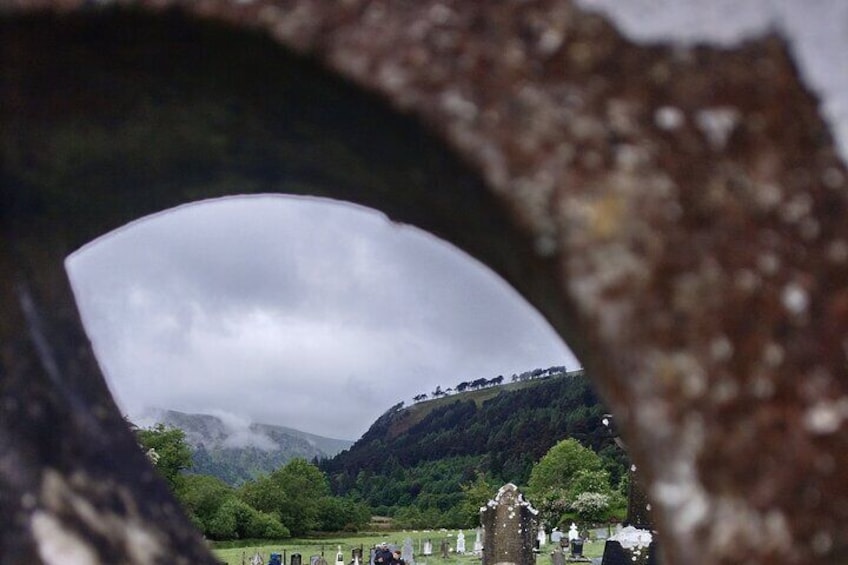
x,y
509,524
634,544
478,542
406,552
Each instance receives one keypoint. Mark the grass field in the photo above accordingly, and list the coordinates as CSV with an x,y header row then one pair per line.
x,y
328,546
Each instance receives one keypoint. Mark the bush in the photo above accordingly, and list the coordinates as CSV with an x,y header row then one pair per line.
x,y
265,525
591,506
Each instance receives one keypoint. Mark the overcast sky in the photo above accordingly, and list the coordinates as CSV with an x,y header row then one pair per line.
x,y
296,311
320,317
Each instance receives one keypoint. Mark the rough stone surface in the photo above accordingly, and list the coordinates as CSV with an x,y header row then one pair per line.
x,y
509,523
678,214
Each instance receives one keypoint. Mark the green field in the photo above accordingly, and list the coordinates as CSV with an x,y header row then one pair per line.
x,y
328,546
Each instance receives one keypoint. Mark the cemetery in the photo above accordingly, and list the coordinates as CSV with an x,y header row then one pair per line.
x,y
509,533
426,546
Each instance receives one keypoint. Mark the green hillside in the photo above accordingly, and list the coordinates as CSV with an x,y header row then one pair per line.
x,y
420,455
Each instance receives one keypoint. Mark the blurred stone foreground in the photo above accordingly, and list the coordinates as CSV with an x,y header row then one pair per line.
x,y
678,214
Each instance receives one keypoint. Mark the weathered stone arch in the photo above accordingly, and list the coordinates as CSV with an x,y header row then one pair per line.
x,y
676,215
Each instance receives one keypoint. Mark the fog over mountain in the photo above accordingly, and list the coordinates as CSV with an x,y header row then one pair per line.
x,y
235,449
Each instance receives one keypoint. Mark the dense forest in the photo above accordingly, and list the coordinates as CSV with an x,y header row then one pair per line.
x,y
421,456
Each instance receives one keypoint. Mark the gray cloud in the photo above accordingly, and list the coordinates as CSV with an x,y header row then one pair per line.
x,y
296,311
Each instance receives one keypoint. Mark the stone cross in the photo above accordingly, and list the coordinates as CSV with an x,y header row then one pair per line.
x,y
478,542
510,527
460,543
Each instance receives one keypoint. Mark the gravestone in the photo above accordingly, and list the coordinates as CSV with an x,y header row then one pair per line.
x,y
356,555
631,546
478,542
460,543
316,560
510,527
634,544
275,559
406,552
340,556
428,548
542,536
295,559
557,556
556,536
444,549
576,550
373,552
572,532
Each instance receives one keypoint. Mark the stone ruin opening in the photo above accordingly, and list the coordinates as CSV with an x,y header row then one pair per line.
x,y
115,114
702,283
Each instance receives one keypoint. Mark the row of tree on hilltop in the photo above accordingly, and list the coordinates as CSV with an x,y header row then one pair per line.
x,y
483,382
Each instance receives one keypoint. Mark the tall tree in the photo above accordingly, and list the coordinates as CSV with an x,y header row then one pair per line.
x,y
295,492
172,454
566,468
264,493
201,497
560,465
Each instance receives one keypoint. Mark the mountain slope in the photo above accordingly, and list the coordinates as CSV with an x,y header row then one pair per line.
x,y
500,431
235,451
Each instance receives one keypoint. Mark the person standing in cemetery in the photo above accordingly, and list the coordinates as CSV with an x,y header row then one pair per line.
x,y
383,556
396,558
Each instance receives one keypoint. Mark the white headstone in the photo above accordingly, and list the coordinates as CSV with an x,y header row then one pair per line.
x,y
478,542
556,536
460,543
340,560
572,532
542,536
428,548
